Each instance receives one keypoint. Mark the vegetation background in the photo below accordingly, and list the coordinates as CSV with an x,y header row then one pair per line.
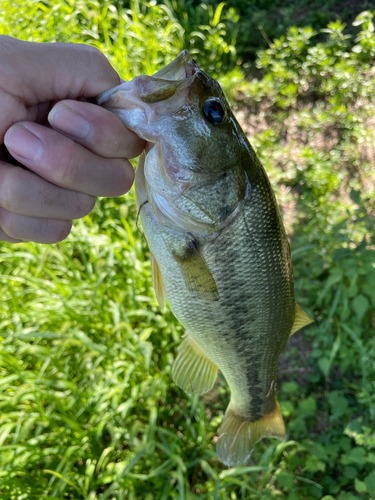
x,y
88,409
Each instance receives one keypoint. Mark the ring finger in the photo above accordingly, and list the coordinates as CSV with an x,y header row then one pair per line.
x,y
22,192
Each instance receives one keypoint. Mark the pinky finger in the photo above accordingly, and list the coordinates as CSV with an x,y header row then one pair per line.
x,y
8,239
37,229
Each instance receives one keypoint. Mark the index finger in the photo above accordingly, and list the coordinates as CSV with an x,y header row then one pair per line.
x,y
96,128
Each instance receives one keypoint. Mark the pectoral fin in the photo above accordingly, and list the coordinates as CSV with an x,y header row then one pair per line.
x,y
192,370
157,281
197,276
300,320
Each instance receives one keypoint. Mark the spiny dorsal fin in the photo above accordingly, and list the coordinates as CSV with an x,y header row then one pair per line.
x,y
197,276
192,370
238,435
157,281
300,320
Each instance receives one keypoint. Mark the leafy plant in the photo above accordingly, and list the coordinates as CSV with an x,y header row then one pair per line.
x,y
264,21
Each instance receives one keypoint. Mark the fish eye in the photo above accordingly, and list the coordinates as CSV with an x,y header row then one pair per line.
x,y
213,110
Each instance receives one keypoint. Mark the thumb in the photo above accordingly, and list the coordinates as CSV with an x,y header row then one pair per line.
x,y
39,72
35,73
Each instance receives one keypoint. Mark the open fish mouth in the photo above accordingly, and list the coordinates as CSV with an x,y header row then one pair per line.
x,y
161,86
144,105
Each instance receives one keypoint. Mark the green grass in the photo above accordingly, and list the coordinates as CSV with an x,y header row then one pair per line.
x,y
88,409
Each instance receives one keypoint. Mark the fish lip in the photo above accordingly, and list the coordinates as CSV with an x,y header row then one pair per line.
x,y
180,68
104,97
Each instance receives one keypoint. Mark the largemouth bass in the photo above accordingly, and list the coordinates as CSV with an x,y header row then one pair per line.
x,y
219,252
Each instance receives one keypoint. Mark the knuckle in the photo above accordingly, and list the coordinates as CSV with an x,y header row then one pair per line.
x,y
53,230
97,56
65,173
89,48
82,204
11,224
11,189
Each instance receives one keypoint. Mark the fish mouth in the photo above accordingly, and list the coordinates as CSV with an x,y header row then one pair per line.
x,y
164,84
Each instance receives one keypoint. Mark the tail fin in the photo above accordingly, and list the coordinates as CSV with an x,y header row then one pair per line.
x,y
238,435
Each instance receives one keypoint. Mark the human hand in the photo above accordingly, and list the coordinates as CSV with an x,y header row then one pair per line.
x,y
73,150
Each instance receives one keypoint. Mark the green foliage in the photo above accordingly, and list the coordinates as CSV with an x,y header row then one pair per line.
x,y
263,21
88,407
366,41
210,33
297,69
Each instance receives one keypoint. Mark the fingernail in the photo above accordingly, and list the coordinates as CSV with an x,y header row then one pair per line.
x,y
22,142
68,121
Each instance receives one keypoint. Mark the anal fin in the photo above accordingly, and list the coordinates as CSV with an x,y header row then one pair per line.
x,y
192,370
300,320
157,281
238,435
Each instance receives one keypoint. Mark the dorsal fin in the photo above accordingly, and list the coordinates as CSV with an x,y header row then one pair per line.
x,y
157,281
300,320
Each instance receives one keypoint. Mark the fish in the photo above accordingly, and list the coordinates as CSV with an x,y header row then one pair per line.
x,y
219,252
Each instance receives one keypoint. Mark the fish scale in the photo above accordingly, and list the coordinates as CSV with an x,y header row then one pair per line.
x,y
219,252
